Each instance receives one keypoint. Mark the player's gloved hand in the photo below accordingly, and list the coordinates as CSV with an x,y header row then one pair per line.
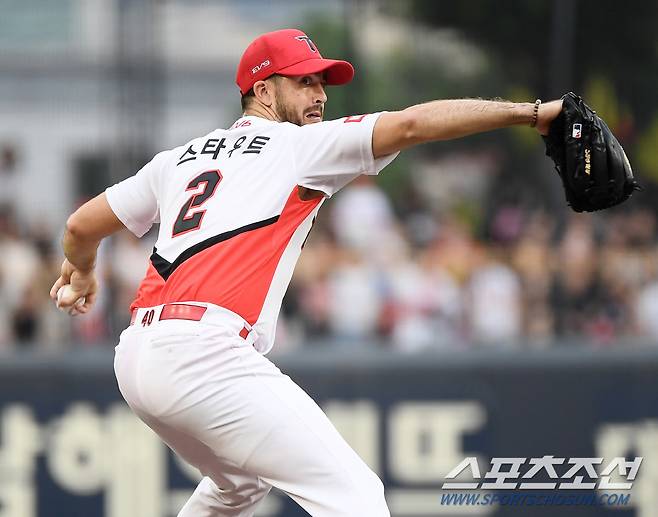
x,y
593,166
80,292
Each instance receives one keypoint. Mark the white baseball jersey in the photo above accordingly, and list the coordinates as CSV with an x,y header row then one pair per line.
x,y
232,224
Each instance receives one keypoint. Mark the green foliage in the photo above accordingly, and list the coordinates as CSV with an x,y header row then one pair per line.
x,y
645,152
332,37
600,92
611,58
604,49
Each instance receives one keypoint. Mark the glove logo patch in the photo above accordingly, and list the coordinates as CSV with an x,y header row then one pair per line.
x,y
576,132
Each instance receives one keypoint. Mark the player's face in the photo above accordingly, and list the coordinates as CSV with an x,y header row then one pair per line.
x,y
300,99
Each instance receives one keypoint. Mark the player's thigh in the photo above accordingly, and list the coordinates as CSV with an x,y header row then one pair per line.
x,y
226,490
303,454
173,382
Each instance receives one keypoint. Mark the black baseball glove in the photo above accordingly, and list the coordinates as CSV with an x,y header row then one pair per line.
x,y
594,169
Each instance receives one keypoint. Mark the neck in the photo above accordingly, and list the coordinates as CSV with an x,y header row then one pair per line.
x,y
260,110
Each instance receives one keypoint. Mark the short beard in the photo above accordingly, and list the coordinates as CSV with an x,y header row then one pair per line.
x,y
285,113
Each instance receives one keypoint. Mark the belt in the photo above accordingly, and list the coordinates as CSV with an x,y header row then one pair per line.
x,y
176,311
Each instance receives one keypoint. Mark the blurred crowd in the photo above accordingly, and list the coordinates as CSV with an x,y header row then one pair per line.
x,y
532,282
407,281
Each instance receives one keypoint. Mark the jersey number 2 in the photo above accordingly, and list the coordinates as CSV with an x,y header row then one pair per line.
x,y
186,221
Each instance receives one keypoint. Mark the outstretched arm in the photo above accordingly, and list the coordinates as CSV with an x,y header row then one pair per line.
x,y
84,231
449,119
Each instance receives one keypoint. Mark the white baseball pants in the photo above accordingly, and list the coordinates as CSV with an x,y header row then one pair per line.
x,y
227,410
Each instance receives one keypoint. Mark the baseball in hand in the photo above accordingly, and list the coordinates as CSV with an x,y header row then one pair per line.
x,y
65,290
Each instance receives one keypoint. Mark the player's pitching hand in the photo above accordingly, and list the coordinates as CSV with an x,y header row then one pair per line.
x,y
75,290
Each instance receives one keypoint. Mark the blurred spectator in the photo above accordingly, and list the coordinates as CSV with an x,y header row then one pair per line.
x,y
456,250
53,327
18,267
9,175
307,299
532,259
127,261
646,309
362,220
354,289
25,317
494,294
427,305
576,288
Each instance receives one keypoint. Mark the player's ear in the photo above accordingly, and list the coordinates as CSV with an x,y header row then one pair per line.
x,y
264,92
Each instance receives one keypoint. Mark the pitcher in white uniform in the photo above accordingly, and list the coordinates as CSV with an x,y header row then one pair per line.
x,y
234,208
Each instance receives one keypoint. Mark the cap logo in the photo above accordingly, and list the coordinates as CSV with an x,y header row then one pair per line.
x,y
308,41
257,68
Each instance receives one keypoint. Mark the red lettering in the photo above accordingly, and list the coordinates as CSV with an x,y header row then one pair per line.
x,y
354,118
241,123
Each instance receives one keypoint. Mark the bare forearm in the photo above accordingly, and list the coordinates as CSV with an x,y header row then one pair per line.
x,y
448,119
80,252
85,229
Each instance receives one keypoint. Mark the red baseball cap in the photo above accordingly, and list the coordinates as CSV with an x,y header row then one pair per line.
x,y
287,52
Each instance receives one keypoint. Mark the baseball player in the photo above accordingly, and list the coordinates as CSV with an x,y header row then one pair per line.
x,y
234,208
